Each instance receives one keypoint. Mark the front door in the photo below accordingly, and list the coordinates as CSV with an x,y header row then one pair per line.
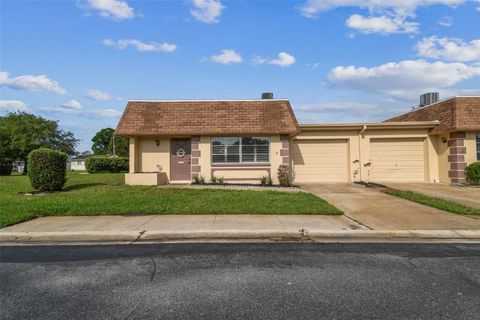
x,y
180,160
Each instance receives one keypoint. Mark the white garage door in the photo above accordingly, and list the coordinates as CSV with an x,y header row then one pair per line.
x,y
320,161
397,160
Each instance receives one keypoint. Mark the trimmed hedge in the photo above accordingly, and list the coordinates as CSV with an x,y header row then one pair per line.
x,y
472,172
5,167
47,169
106,164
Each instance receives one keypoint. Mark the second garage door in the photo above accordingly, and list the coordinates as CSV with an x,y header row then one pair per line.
x,y
397,160
320,161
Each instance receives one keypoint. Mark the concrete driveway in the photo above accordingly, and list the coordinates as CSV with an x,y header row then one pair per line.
x,y
469,196
377,210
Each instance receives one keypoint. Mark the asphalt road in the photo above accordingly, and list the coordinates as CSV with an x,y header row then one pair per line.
x,y
241,281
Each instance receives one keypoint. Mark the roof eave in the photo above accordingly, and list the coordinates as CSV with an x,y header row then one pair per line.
x,y
371,126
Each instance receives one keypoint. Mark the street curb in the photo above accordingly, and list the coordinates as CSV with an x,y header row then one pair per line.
x,y
231,234
69,236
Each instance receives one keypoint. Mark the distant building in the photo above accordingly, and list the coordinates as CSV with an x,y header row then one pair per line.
x,y
76,164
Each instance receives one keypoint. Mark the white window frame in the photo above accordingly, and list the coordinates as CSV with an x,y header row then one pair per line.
x,y
240,156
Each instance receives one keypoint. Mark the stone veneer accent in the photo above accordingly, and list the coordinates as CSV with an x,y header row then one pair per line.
x,y
195,157
456,157
285,151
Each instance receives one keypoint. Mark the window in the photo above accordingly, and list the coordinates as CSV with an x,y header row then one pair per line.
x,y
240,150
478,147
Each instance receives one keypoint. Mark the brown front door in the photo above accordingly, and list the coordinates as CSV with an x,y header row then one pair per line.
x,y
180,160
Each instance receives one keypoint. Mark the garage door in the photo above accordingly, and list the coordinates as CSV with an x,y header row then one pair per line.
x,y
397,160
320,161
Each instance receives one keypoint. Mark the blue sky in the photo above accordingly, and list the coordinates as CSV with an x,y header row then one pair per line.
x,y
336,60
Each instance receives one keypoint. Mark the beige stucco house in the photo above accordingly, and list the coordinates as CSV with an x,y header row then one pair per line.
x,y
243,140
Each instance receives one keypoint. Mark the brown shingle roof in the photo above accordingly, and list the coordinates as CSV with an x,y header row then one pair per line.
x,y
455,114
207,118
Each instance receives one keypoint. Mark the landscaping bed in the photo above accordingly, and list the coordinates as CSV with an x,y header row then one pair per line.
x,y
106,194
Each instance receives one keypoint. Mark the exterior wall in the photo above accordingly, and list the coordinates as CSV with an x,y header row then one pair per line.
x,y
431,157
146,156
243,173
153,158
205,157
353,154
77,165
359,148
471,147
456,157
442,150
132,155
279,153
146,179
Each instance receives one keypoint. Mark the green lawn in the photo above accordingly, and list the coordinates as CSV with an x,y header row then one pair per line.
x,y
438,203
105,193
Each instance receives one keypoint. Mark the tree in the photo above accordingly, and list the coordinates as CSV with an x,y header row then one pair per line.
x,y
101,140
121,146
21,132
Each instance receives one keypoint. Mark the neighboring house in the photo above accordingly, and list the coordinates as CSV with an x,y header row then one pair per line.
x,y
19,166
457,138
243,140
76,164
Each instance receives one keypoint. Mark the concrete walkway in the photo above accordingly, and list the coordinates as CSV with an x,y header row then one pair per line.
x,y
469,196
380,211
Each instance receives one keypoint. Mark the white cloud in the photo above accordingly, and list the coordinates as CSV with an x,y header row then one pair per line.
x,y
112,9
107,113
13,105
345,111
403,80
312,8
314,65
140,46
450,49
445,21
359,108
284,60
69,107
98,95
31,83
381,24
386,16
72,105
208,11
227,56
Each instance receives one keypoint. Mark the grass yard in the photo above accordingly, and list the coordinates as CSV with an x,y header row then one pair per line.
x,y
105,194
438,203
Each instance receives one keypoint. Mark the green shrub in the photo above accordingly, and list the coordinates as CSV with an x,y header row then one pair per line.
x,y
106,164
216,180
472,172
5,167
283,174
198,180
47,169
266,181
